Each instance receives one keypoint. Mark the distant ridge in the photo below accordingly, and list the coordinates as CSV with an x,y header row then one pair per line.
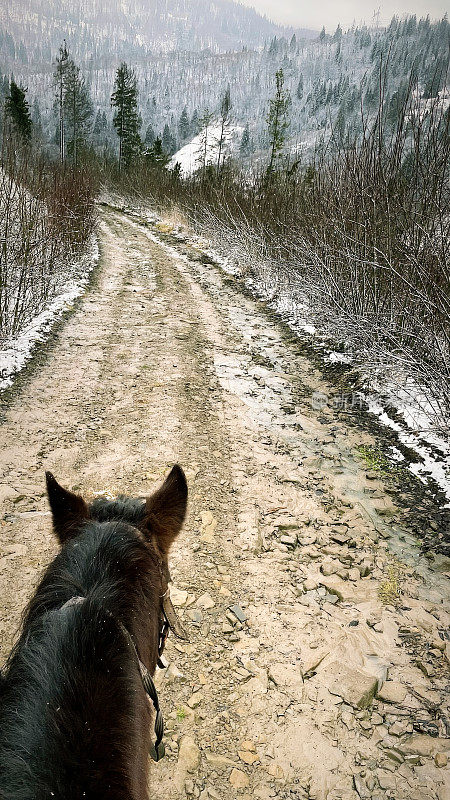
x,y
105,30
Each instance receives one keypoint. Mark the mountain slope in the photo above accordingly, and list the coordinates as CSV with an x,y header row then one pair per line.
x,y
31,30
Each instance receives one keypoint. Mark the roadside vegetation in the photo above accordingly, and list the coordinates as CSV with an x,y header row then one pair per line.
x,y
357,236
47,218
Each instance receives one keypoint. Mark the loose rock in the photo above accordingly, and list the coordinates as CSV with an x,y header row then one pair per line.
x,y
392,692
238,779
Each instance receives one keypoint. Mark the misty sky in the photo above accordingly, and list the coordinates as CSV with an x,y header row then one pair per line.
x,y
329,12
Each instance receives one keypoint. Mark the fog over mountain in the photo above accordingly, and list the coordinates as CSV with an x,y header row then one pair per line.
x,y
32,30
330,13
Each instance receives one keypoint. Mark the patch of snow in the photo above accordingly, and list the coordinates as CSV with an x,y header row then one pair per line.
x,y
17,350
190,157
338,358
395,454
421,106
417,434
429,466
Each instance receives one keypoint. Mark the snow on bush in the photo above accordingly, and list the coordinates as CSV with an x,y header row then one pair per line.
x,y
47,249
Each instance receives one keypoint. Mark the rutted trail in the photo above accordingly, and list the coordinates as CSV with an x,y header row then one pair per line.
x,y
279,569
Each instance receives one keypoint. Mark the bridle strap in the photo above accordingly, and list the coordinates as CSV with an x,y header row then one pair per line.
x,y
170,622
157,750
162,642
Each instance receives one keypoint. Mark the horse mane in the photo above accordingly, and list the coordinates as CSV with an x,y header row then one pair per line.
x,y
70,660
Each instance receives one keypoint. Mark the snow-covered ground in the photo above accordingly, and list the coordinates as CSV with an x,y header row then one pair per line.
x,y
422,106
16,351
191,156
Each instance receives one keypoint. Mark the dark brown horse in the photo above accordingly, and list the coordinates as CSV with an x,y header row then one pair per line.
x,y
75,719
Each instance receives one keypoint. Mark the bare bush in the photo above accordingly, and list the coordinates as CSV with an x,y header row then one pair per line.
x,y
360,235
46,217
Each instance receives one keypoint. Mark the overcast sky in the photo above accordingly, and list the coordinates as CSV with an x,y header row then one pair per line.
x,y
330,12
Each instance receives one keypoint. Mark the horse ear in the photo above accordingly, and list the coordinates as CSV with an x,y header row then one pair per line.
x,y
68,509
166,509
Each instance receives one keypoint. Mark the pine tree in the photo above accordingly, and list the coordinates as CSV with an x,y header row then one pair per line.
x,y
98,124
273,49
156,155
436,79
183,125
150,137
18,112
168,141
278,121
36,119
59,77
339,128
225,108
126,118
176,171
244,147
299,91
195,125
323,35
78,110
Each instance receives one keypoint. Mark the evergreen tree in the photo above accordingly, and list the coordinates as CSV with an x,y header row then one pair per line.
x,y
36,119
299,91
278,121
169,143
18,112
273,49
244,147
183,125
176,171
195,124
59,79
339,129
436,79
126,118
323,35
225,108
156,156
98,124
78,110
150,137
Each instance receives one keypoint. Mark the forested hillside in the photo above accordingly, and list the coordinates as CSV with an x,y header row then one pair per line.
x,y
104,31
329,79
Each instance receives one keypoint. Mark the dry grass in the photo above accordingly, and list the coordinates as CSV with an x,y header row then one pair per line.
x,y
390,590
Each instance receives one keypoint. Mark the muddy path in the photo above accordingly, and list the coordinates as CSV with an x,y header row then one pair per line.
x,y
319,653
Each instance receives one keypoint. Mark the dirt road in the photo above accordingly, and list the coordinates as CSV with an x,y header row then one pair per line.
x,y
165,360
